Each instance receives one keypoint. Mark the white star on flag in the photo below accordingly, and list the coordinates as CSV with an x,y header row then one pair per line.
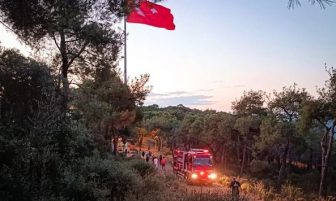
x,y
139,11
151,14
153,10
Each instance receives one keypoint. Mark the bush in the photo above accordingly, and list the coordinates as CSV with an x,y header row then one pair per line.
x,y
142,168
224,180
96,178
259,167
290,192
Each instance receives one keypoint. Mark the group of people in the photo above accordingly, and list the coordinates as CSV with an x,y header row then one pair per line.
x,y
157,161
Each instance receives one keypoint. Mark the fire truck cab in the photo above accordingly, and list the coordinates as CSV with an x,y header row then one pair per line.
x,y
194,165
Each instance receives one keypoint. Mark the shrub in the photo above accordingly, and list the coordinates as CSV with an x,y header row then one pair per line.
x,y
247,187
142,168
258,167
96,178
224,180
290,192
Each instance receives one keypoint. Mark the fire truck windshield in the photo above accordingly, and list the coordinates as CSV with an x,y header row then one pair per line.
x,y
202,161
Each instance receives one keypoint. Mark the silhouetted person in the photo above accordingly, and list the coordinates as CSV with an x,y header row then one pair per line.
x,y
235,185
160,158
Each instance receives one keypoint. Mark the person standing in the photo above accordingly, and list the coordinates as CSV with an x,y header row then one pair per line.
x,y
160,158
235,185
163,163
156,162
147,157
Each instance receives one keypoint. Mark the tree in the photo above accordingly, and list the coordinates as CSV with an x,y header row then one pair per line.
x,y
141,133
251,103
249,109
162,125
322,112
110,106
23,83
191,130
247,127
286,106
80,30
36,145
217,133
267,142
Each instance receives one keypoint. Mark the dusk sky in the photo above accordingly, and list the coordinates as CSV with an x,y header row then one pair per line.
x,y
221,48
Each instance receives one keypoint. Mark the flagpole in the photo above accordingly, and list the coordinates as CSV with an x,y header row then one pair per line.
x,y
125,51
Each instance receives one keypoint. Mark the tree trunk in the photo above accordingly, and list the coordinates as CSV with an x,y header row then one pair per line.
x,y
282,171
64,70
115,141
140,143
310,163
238,147
243,162
161,144
223,157
326,145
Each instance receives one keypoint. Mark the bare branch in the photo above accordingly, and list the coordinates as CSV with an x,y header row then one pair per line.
x,y
78,54
54,38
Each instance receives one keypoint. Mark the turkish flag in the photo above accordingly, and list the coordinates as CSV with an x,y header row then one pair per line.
x,y
152,14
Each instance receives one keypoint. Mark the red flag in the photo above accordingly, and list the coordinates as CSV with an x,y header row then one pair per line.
x,y
152,14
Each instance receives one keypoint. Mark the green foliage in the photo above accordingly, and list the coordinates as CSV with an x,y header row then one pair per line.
x,y
44,155
142,168
251,103
259,167
287,103
97,178
108,106
36,144
24,85
82,36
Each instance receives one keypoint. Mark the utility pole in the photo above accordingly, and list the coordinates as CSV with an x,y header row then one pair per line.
x,y
125,51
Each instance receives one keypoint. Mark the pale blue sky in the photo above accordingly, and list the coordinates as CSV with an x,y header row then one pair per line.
x,y
222,47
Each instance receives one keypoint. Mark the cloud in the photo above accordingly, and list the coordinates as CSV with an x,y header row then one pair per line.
x,y
235,86
173,93
204,90
222,85
184,100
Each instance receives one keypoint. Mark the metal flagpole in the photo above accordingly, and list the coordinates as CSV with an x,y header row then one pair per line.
x,y
125,52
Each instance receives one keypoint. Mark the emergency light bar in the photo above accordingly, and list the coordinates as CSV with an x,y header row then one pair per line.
x,y
200,150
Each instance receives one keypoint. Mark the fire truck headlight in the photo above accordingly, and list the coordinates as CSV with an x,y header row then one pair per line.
x,y
202,173
194,176
212,176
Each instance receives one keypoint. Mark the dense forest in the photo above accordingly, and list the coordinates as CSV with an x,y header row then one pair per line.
x,y
63,113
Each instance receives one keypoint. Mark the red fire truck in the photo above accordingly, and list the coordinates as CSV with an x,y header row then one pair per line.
x,y
194,165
